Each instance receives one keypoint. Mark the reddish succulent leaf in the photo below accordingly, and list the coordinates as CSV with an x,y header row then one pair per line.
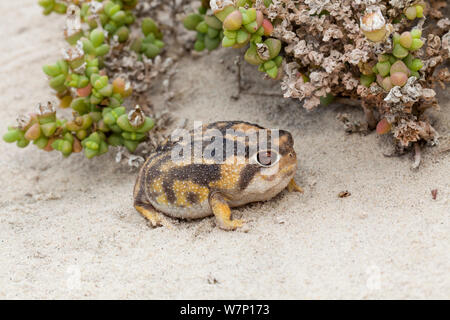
x,y
268,27
84,92
49,147
383,126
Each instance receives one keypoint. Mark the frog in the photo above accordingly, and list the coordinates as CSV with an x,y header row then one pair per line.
x,y
210,181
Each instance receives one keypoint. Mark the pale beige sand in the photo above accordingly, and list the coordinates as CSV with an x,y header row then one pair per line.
x,y
67,220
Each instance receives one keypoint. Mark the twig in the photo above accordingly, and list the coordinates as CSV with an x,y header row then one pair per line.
x,y
370,118
241,89
237,62
173,14
265,94
347,101
417,156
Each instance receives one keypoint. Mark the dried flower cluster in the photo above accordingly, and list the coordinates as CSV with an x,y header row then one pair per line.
x,y
387,54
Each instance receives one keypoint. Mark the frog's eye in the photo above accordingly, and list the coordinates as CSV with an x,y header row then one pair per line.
x,y
267,158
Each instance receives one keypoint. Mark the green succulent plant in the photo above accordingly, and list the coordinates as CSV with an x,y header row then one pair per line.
x,y
50,6
208,28
237,26
394,69
151,44
99,119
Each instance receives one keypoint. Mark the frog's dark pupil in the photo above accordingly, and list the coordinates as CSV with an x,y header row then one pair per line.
x,y
265,158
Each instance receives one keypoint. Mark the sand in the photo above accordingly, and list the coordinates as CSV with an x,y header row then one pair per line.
x,y
68,228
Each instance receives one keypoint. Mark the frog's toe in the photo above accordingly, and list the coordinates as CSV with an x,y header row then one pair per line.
x,y
222,212
231,225
155,221
292,186
158,221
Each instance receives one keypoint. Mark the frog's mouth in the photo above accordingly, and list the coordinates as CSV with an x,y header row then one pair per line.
x,y
270,174
290,171
288,165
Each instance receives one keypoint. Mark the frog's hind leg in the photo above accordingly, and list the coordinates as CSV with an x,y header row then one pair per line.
x,y
149,212
222,212
144,207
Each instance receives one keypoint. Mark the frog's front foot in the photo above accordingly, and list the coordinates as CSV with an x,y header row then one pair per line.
x,y
230,225
222,213
292,186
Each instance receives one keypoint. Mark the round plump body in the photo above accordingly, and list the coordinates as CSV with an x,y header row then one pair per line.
x,y
222,157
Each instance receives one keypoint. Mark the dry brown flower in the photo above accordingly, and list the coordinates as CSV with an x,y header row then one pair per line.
x,y
326,51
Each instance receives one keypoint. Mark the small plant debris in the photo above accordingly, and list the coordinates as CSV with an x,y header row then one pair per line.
x,y
434,193
344,194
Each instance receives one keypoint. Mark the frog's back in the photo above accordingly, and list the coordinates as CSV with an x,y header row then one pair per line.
x,y
181,188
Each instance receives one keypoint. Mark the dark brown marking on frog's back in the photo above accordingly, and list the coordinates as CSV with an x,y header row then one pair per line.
x,y
247,175
167,186
222,127
201,174
236,146
192,197
153,171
